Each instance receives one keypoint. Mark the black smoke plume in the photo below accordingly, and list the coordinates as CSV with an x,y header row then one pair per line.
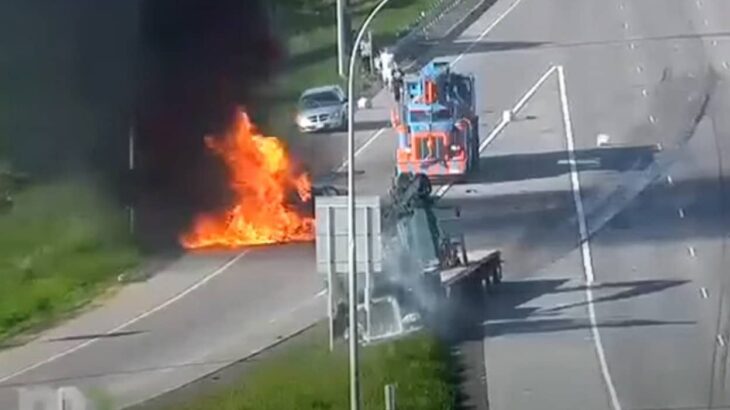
x,y
77,74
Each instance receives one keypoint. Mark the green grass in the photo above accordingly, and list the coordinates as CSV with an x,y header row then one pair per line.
x,y
61,245
310,377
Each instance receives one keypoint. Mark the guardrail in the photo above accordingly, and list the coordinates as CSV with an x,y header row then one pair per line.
x,y
443,19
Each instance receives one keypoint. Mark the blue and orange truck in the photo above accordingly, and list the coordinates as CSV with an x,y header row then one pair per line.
x,y
437,123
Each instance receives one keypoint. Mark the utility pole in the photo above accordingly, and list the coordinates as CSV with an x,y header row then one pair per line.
x,y
351,238
343,36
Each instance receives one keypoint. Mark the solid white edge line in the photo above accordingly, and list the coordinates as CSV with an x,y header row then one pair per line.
x,y
487,30
584,240
130,322
362,148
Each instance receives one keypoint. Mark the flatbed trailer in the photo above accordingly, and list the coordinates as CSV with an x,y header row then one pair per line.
x,y
481,273
484,266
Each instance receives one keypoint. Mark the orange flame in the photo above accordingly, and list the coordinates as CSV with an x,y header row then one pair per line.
x,y
261,178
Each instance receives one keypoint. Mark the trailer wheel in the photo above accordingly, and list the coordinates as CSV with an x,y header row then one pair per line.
x,y
489,281
498,274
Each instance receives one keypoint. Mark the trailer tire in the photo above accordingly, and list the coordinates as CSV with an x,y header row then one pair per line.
x,y
498,274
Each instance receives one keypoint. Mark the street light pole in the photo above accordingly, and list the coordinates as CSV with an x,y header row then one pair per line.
x,y
352,262
341,39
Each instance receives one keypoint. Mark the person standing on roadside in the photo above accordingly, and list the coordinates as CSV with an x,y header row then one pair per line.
x,y
387,65
397,84
366,53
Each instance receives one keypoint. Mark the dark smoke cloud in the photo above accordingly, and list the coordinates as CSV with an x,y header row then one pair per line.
x,y
76,74
201,59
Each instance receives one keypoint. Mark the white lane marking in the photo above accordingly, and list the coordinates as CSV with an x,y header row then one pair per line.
x,y
584,240
504,122
487,31
681,213
691,250
703,293
652,119
363,147
670,181
721,340
521,103
462,20
130,322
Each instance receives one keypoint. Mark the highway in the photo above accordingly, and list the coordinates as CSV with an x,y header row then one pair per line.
x,y
643,336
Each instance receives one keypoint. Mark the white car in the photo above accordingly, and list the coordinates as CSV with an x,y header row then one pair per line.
x,y
322,108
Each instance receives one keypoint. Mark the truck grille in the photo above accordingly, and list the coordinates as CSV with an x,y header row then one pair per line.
x,y
438,149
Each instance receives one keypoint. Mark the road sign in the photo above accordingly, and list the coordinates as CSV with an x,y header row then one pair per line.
x,y
331,234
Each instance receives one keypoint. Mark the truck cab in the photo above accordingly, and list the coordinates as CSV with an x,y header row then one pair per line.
x,y
436,123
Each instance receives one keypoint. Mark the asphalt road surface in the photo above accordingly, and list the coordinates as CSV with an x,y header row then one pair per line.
x,y
649,332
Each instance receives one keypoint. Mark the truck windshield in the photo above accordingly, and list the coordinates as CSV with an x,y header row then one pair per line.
x,y
419,116
441,115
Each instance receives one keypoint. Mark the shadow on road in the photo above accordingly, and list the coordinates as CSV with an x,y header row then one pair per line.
x,y
96,336
507,310
468,46
519,167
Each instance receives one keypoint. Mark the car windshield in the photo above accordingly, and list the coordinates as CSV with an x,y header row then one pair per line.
x,y
320,99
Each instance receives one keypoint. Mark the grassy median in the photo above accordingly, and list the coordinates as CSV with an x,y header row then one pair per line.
x,y
308,377
61,245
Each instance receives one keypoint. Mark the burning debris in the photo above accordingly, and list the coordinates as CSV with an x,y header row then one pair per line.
x,y
262,179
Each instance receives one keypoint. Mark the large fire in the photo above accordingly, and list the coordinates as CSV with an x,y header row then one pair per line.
x,y
262,179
